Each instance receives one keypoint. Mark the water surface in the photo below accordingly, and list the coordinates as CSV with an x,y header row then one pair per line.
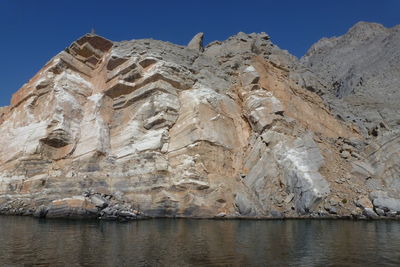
x,y
168,242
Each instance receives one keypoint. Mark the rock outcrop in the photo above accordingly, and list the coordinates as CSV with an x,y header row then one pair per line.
x,y
197,42
361,73
144,128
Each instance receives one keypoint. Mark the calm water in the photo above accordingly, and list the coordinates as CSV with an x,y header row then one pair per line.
x,y
199,242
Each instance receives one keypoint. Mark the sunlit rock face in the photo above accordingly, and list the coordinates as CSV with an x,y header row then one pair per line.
x,y
144,127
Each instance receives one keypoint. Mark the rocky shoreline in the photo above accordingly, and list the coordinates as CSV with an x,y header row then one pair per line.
x,y
105,206
88,206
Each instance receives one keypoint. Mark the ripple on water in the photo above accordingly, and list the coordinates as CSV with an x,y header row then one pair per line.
x,y
199,242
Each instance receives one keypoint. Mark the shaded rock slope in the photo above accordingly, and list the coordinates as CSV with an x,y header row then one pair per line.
x,y
240,128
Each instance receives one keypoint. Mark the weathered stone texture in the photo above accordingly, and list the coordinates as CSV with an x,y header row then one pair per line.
x,y
125,130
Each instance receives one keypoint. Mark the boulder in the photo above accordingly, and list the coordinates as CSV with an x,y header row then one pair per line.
x,y
387,204
364,202
99,201
370,213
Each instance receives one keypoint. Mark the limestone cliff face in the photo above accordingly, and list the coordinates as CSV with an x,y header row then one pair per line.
x,y
147,128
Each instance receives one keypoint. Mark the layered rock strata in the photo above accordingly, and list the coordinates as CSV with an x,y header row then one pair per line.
x,y
144,128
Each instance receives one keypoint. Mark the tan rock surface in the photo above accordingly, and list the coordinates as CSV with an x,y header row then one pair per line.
x,y
110,129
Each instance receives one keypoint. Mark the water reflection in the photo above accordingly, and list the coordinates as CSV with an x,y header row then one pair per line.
x,y
199,242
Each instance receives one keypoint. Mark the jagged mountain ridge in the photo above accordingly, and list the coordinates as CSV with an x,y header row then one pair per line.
x,y
148,128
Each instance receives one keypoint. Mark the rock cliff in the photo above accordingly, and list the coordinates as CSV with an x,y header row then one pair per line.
x,y
240,128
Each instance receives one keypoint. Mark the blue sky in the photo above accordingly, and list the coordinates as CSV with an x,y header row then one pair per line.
x,y
33,31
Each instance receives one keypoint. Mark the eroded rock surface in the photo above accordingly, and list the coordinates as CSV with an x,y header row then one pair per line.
x,y
126,130
360,71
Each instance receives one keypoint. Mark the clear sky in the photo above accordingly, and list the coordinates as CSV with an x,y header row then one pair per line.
x,y
33,31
